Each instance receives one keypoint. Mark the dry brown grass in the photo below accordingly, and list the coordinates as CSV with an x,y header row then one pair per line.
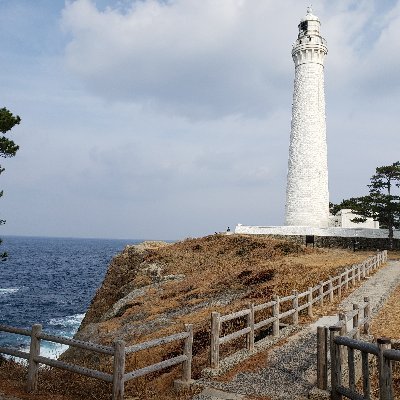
x,y
246,268
387,324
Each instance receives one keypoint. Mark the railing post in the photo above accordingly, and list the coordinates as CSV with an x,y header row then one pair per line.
x,y
385,370
330,288
250,324
322,357
321,293
347,278
214,348
336,363
355,321
310,302
353,276
363,270
119,370
359,272
368,267
275,313
343,328
33,365
367,315
295,305
187,351
339,286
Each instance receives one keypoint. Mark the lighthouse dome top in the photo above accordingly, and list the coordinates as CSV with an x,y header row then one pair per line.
x,y
309,16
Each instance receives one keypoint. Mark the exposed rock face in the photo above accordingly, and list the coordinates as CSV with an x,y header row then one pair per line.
x,y
118,288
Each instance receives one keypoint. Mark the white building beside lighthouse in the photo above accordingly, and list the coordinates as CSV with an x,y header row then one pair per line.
x,y
307,195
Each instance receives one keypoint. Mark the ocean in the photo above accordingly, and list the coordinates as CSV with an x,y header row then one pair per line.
x,y
50,281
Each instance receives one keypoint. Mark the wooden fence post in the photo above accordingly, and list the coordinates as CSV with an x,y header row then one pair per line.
x,y
368,267
358,272
347,278
320,293
33,365
367,315
275,313
310,302
339,292
214,348
336,363
385,370
353,276
343,328
187,351
250,324
119,370
295,305
355,321
363,270
330,288
322,357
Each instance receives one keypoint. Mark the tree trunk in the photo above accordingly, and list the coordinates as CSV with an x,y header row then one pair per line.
x,y
390,227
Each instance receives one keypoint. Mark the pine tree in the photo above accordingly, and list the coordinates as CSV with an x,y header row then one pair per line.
x,y
381,204
7,147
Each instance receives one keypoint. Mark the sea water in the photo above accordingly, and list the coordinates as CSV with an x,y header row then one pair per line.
x,y
50,281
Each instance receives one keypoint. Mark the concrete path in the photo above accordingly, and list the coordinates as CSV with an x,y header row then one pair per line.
x,y
289,371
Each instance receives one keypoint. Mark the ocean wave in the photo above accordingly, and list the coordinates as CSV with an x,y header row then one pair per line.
x,y
69,321
6,291
48,349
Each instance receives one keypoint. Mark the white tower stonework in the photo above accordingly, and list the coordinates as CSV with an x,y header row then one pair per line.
x,y
307,196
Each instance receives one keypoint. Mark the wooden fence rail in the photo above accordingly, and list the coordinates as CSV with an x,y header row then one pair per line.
x,y
119,351
297,303
384,357
360,317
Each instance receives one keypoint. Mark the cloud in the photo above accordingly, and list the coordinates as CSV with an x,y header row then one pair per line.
x,y
195,58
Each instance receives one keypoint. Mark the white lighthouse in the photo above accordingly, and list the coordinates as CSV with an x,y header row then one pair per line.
x,y
307,196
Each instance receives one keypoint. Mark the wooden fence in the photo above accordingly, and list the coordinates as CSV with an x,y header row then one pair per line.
x,y
292,306
119,351
384,357
360,317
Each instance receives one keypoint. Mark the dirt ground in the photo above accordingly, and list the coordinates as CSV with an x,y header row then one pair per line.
x,y
387,324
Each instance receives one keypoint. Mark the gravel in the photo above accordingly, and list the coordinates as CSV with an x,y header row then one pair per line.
x,y
289,370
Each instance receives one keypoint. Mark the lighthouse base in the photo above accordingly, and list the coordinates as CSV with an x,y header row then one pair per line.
x,y
311,231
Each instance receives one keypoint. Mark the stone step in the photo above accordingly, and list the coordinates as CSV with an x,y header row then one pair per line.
x,y
215,394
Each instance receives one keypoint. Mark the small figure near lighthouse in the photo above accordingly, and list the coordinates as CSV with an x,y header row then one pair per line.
x,y
307,195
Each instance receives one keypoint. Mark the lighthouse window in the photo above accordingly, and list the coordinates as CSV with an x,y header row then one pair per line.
x,y
304,25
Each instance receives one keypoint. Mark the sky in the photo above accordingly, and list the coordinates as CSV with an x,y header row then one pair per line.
x,y
170,119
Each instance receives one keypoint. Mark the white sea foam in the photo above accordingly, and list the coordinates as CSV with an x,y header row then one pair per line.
x,y
70,321
6,291
52,350
47,349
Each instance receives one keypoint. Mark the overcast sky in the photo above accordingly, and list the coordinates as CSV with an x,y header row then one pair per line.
x,y
168,119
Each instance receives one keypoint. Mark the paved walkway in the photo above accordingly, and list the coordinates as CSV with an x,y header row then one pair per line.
x,y
289,372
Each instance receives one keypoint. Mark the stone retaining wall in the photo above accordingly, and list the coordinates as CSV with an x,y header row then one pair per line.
x,y
349,242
